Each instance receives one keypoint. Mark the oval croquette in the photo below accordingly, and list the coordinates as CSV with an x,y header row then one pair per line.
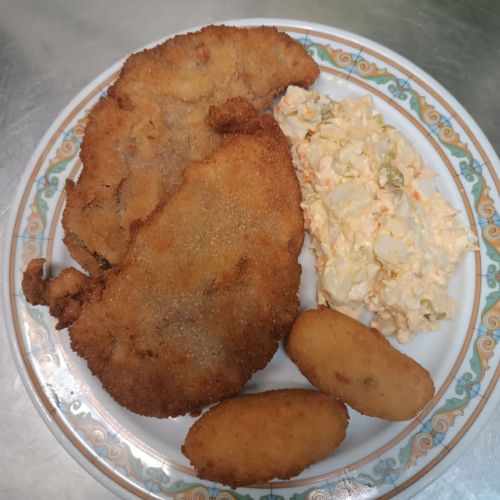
x,y
358,365
259,437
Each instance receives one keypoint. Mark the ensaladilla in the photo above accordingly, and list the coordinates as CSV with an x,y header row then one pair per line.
x,y
385,239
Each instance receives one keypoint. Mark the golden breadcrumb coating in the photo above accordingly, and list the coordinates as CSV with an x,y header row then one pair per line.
x,y
64,294
358,365
208,286
259,437
155,120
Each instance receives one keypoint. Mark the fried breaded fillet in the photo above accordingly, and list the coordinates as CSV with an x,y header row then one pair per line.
x,y
208,286
155,120
358,365
64,294
255,438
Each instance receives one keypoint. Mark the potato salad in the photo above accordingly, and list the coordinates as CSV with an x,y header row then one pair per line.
x,y
385,239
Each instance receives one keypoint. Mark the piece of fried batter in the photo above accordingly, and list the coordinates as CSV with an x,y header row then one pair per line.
x,y
255,438
155,119
64,294
358,365
208,286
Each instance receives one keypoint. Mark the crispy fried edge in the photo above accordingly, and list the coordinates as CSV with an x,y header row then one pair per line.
x,y
64,294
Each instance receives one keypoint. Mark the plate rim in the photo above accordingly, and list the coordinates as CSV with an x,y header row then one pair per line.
x,y
422,482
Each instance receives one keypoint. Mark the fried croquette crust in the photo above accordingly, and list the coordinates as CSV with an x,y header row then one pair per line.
x,y
255,438
208,286
358,365
155,120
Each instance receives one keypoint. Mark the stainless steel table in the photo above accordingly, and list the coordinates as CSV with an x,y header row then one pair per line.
x,y
49,49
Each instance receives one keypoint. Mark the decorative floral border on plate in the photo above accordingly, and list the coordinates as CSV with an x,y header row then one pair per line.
x,y
146,475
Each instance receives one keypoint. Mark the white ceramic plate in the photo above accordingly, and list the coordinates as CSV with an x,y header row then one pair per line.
x,y
141,456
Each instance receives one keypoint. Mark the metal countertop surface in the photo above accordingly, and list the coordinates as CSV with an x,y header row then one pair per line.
x,y
50,49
